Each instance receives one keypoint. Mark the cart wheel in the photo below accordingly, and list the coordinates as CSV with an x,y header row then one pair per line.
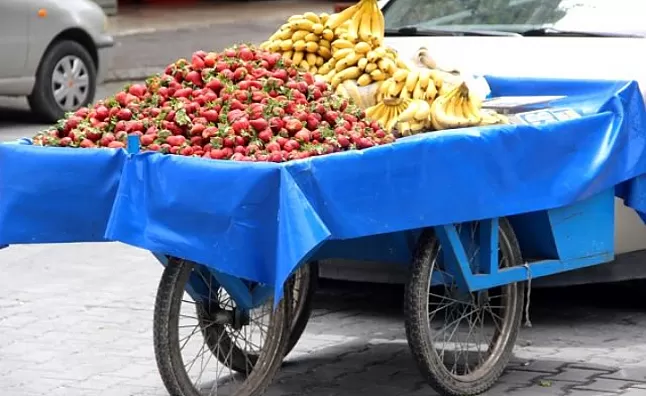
x,y
462,360
184,329
305,284
241,357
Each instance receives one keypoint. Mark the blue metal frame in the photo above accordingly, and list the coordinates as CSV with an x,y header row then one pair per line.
x,y
200,286
581,234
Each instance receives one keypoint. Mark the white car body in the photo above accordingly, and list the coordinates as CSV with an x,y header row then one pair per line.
x,y
546,57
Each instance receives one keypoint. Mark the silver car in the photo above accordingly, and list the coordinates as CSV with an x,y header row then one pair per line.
x,y
55,52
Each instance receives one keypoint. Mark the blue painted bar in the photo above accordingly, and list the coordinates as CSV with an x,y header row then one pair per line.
x,y
236,288
162,258
260,294
537,270
3,246
489,246
455,257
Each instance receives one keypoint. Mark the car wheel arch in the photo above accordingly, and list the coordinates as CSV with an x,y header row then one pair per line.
x,y
80,36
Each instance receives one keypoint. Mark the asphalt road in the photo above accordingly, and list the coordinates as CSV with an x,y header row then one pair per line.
x,y
16,120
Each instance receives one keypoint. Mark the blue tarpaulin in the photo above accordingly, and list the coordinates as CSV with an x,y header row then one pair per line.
x,y
56,195
259,220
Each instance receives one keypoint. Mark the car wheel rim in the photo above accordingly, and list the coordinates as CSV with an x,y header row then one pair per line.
x,y
70,83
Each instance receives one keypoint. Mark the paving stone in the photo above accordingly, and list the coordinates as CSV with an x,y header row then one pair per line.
x,y
605,385
541,366
521,377
634,392
574,375
578,392
629,374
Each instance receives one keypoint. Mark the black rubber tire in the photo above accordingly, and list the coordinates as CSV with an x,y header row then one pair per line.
x,y
42,100
418,328
303,305
166,337
243,362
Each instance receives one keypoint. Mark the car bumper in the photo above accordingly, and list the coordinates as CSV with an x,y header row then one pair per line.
x,y
105,50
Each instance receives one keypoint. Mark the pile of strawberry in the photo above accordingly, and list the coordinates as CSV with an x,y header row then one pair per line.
x,y
242,104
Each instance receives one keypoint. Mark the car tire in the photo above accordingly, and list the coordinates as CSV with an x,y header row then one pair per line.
x,y
64,59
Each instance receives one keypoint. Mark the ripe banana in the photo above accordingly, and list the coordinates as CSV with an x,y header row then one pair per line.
x,y
455,109
336,20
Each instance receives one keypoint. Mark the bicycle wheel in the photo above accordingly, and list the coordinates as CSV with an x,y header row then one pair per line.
x,y
209,317
242,358
305,284
454,360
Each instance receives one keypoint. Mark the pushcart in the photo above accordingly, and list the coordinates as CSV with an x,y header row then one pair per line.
x,y
476,215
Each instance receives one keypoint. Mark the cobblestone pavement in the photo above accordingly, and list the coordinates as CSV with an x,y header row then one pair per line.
x,y
76,320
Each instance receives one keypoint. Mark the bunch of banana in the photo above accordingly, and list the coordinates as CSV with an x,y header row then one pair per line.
x,y
387,112
366,22
415,84
304,40
415,119
457,108
358,62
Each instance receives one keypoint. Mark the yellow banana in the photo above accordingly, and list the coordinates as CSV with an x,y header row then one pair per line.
x,y
423,111
362,47
325,69
302,24
299,35
311,59
471,111
297,57
294,18
400,75
327,34
409,114
364,32
431,92
377,23
312,17
416,127
419,92
364,80
411,80
311,47
404,129
396,88
355,23
342,53
370,67
363,62
377,75
424,79
325,52
336,20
